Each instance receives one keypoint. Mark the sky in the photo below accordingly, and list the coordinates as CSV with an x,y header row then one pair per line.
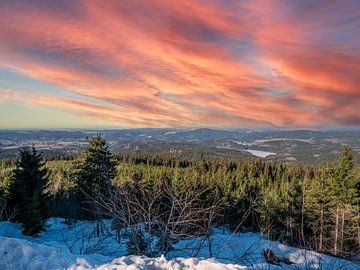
x,y
188,63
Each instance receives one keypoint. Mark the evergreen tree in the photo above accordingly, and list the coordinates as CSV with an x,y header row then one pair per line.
x,y
345,203
94,176
314,206
28,197
347,180
319,206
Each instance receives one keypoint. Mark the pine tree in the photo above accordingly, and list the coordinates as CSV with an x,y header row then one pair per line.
x,y
346,203
347,180
94,177
28,197
319,206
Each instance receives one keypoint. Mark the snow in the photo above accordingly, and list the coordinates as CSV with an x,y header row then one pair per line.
x,y
258,153
75,247
243,143
18,254
284,139
173,132
137,262
247,249
21,254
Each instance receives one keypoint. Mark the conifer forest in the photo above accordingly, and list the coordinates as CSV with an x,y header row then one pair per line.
x,y
314,207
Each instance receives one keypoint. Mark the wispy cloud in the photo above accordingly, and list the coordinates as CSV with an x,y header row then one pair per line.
x,y
191,63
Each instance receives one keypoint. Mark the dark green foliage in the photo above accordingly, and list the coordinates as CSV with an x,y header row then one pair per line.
x,y
94,175
28,197
315,207
308,206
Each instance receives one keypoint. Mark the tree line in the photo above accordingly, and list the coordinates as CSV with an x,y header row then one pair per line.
x,y
315,207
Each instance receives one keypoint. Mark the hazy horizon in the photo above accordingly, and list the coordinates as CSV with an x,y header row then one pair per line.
x,y
338,128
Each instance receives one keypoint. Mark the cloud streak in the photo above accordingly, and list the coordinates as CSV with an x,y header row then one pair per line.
x,y
191,63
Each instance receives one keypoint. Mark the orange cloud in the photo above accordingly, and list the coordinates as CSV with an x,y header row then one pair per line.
x,y
191,63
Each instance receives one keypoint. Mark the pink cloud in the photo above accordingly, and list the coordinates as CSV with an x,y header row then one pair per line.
x,y
192,63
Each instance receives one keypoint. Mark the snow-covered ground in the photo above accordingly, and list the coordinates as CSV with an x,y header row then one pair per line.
x,y
258,153
244,143
17,254
76,247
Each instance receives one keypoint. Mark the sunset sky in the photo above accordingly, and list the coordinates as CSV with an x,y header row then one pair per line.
x,y
169,63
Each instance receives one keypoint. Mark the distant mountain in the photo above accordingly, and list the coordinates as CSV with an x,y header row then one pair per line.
x,y
283,145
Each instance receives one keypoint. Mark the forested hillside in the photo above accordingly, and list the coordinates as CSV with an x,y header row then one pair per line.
x,y
315,207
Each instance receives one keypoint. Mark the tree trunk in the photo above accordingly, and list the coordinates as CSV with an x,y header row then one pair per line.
x,y
358,227
210,245
342,231
97,228
302,233
321,238
336,231
118,236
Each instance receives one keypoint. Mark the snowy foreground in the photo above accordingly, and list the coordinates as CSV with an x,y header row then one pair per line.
x,y
73,247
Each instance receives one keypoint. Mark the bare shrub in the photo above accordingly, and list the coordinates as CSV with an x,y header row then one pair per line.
x,y
154,217
81,239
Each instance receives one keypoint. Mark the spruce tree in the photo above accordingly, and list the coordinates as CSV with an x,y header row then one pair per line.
x,y
319,205
347,179
346,203
94,177
28,198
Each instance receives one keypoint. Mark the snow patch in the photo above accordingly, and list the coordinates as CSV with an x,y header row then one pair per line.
x,y
62,247
243,143
19,254
173,132
258,153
